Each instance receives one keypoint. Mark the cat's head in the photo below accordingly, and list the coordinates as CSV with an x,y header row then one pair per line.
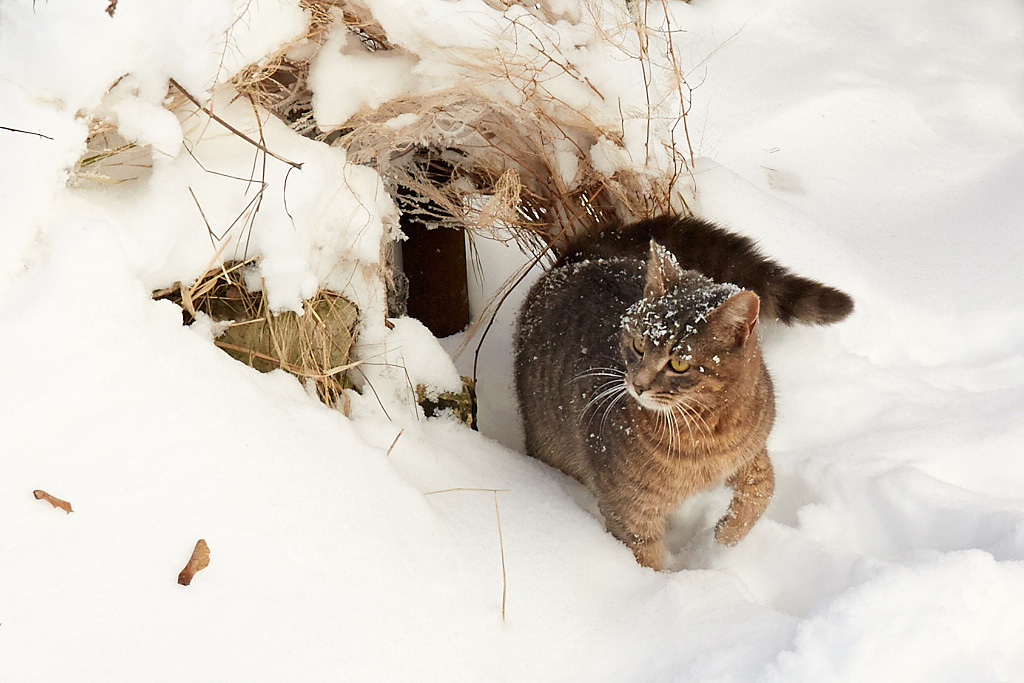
x,y
689,338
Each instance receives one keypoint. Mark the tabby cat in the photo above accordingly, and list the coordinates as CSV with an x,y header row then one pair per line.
x,y
639,372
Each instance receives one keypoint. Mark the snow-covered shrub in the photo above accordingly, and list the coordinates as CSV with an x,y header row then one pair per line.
x,y
553,114
549,117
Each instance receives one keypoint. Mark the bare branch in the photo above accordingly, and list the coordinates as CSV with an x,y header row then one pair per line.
x,y
25,132
231,128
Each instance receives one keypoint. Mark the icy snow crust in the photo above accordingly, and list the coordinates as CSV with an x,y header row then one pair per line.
x,y
878,146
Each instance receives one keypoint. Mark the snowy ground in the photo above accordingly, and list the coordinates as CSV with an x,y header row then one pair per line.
x,y
877,146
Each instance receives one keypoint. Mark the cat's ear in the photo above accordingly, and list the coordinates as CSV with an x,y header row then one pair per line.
x,y
662,269
737,317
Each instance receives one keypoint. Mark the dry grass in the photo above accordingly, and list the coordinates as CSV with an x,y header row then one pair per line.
x,y
279,82
499,147
501,537
315,347
519,155
109,158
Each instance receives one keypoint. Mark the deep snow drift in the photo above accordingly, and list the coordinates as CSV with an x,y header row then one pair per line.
x,y
877,147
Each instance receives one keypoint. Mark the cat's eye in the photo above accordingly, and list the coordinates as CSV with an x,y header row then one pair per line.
x,y
679,365
638,346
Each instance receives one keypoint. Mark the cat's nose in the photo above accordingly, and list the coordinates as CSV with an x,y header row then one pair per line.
x,y
641,382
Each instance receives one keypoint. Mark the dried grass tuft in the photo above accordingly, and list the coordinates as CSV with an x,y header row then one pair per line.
x,y
279,82
505,166
519,157
497,152
109,158
315,347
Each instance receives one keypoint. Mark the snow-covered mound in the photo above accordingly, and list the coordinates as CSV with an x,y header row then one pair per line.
x,y
875,146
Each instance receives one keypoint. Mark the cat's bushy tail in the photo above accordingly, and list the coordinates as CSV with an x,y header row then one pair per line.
x,y
722,256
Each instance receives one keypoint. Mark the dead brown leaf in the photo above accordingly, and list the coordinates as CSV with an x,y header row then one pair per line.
x,y
199,560
55,502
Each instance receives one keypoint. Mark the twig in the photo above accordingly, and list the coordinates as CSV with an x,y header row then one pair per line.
x,y
501,540
375,394
284,195
501,548
683,106
392,446
248,212
536,259
211,171
294,369
25,132
202,213
189,294
231,128
430,493
263,177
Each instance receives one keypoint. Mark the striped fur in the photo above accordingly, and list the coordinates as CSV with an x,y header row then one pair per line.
x,y
722,256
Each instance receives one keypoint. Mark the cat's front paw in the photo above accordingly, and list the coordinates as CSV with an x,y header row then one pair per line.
x,y
730,530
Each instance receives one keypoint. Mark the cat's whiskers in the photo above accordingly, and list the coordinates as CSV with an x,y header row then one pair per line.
x,y
686,421
608,391
684,405
603,392
621,391
665,422
611,394
661,430
672,428
699,402
664,429
674,433
600,372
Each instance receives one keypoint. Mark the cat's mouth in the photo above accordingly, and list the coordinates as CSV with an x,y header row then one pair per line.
x,y
649,401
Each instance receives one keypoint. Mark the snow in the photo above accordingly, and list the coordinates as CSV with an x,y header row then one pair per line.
x,y
877,146
369,79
